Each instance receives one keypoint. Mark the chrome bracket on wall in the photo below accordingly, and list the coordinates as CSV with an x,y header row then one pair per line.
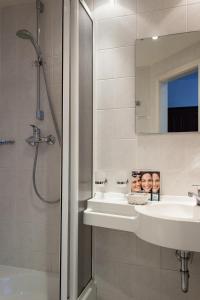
x,y
40,6
6,142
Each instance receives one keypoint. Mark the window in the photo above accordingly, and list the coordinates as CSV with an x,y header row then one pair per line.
x,y
182,93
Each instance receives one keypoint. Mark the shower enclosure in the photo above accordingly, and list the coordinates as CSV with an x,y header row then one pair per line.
x,y
46,138
30,168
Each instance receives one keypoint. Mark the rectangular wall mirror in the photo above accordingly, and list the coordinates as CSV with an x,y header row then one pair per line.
x,y
167,83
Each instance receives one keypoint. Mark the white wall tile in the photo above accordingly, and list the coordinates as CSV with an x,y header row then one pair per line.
x,y
116,123
105,125
117,154
118,62
161,152
116,32
105,68
124,62
112,8
116,93
104,9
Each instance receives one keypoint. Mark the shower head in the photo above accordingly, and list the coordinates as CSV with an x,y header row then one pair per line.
x,y
27,35
24,34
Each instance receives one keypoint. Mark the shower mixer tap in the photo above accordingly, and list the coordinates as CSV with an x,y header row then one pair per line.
x,y
36,138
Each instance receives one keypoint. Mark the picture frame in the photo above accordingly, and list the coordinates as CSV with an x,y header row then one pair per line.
x,y
146,182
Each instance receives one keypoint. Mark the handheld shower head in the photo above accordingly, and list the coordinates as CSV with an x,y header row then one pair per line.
x,y
24,34
27,35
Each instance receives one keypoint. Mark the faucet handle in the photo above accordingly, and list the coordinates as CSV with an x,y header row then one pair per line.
x,y
36,130
34,126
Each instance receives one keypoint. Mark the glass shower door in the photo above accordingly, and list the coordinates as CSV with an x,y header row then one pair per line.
x,y
85,144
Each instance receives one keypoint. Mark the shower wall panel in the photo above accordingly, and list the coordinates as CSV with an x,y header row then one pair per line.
x,y
29,229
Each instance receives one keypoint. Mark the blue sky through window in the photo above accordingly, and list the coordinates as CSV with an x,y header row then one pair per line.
x,y
183,91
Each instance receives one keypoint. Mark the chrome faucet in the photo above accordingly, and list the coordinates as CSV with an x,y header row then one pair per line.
x,y
36,138
196,196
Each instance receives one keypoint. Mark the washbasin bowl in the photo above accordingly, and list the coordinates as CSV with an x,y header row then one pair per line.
x,y
169,211
170,224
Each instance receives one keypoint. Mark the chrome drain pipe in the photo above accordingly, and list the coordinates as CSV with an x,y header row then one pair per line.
x,y
184,257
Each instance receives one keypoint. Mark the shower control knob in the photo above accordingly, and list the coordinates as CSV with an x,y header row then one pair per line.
x,y
50,139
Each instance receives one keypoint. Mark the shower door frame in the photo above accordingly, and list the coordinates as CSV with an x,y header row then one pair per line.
x,y
64,248
70,172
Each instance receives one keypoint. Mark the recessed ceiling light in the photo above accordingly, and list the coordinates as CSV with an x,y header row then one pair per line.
x,y
154,37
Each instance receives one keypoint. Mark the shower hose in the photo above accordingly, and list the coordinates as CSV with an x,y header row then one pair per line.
x,y
37,145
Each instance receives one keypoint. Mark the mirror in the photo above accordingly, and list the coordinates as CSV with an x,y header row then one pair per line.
x,y
167,83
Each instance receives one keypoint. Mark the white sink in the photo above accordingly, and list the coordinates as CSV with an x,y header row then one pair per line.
x,y
111,212
172,224
169,211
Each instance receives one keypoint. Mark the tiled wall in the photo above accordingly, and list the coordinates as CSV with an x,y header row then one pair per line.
x,y
29,229
117,24
130,269
126,267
